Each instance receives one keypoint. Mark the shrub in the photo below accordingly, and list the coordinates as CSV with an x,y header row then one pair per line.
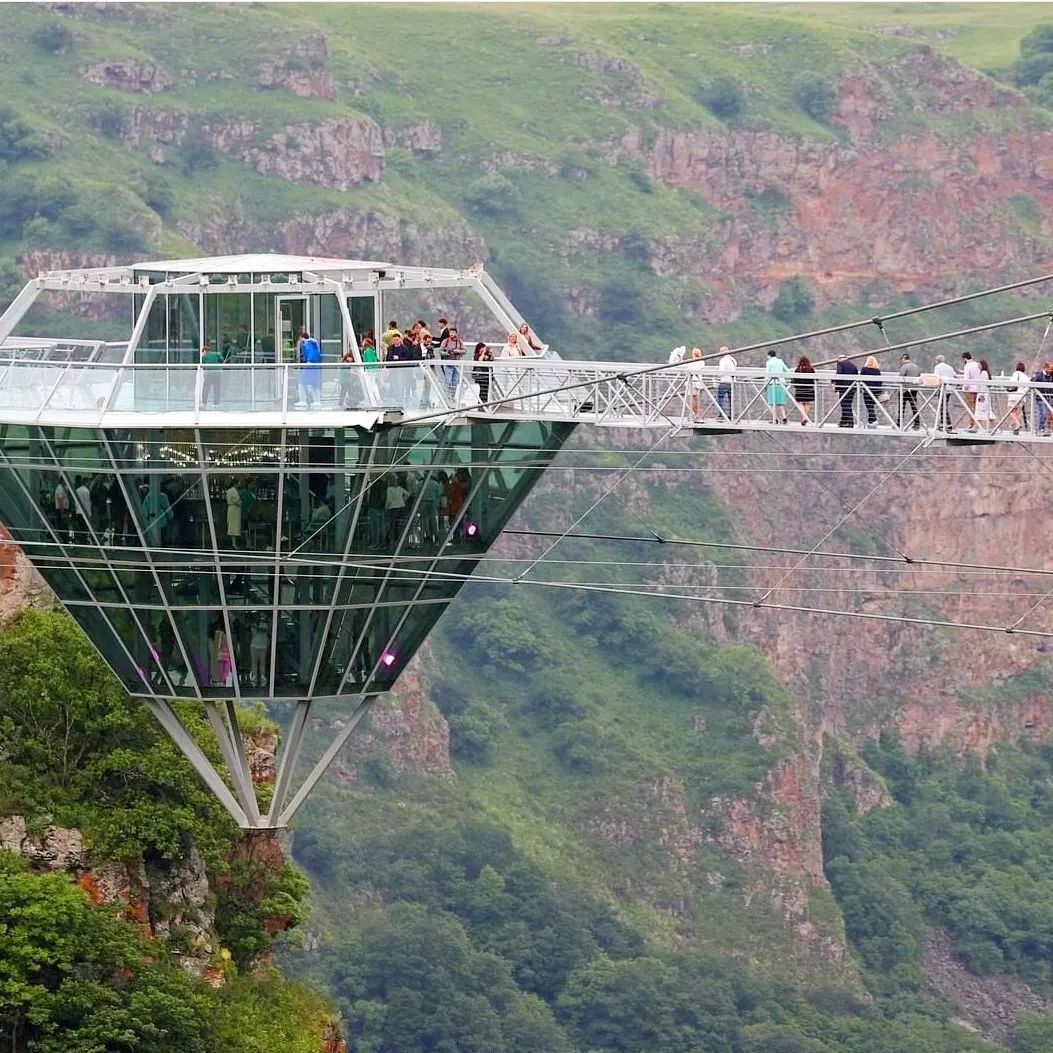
x,y
498,634
474,732
11,281
53,39
450,698
723,97
108,118
1038,41
1042,92
119,235
1032,68
26,196
378,770
493,195
815,95
18,140
196,153
795,299
157,192
555,703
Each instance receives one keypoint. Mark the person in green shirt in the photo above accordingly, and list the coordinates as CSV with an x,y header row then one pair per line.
x,y
350,387
212,363
389,334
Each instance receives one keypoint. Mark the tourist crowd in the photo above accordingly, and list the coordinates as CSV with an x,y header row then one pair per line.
x,y
396,347
969,400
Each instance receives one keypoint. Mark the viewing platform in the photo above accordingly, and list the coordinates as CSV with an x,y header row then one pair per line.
x,y
242,501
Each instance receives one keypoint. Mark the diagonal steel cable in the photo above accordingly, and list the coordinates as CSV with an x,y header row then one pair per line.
x,y
603,497
844,519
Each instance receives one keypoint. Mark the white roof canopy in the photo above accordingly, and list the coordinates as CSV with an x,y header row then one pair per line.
x,y
258,263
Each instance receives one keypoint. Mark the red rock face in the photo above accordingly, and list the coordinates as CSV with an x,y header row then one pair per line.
x,y
413,735
20,584
143,78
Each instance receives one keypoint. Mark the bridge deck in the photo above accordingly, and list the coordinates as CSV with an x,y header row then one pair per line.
x,y
605,394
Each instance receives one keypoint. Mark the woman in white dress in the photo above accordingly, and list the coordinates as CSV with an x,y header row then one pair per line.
x,y
984,412
696,383
1017,395
511,382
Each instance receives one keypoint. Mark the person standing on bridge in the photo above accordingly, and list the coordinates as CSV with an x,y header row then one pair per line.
x,y
908,397
1043,398
804,388
726,367
1017,394
844,385
481,373
696,384
971,376
775,392
212,366
945,371
871,389
984,412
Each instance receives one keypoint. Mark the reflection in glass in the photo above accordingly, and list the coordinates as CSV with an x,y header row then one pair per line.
x,y
314,552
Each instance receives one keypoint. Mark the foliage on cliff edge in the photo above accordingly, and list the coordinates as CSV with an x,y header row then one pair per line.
x,y
78,977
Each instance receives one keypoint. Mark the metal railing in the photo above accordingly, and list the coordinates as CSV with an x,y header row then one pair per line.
x,y
611,394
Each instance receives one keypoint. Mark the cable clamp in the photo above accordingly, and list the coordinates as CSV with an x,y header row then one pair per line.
x,y
908,559
658,537
1009,630
879,323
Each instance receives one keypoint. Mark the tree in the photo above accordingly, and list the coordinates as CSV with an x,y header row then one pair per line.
x,y
1038,41
723,97
1034,1034
73,978
53,39
1032,68
795,299
77,745
493,195
815,95
474,731
18,140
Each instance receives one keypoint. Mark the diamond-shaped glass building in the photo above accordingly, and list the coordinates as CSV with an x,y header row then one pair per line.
x,y
230,513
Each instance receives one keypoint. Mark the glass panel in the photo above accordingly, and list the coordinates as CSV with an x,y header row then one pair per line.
x,y
292,316
263,328
211,653
330,333
184,328
248,584
101,634
189,582
296,647
362,313
153,345
167,659
227,320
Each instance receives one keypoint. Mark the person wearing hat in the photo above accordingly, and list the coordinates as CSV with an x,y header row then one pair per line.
x,y
908,397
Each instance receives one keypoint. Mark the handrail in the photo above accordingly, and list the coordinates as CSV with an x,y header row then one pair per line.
x,y
601,393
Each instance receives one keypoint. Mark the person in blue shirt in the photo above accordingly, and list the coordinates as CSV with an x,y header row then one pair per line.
x,y
310,373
